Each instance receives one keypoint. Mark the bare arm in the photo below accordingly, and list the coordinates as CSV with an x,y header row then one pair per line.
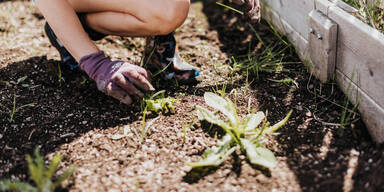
x,y
115,78
66,25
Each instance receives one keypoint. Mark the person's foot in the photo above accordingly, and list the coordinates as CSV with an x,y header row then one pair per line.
x,y
66,58
161,55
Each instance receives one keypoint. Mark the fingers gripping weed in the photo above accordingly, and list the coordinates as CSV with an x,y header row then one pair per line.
x,y
245,133
41,174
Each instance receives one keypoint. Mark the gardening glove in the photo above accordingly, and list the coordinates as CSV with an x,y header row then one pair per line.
x,y
117,79
251,9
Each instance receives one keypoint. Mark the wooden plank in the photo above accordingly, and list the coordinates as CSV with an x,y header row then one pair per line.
x,y
322,45
359,50
360,53
284,28
294,12
371,113
323,5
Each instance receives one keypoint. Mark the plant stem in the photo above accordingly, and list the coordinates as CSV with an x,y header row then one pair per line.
x,y
231,8
13,108
143,131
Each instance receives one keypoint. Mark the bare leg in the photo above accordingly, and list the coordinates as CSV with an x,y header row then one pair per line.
x,y
117,17
70,32
122,25
151,17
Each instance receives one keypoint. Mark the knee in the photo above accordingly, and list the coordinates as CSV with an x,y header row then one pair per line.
x,y
171,17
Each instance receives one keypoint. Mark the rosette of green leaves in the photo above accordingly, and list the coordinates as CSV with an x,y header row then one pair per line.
x,y
158,102
40,174
244,133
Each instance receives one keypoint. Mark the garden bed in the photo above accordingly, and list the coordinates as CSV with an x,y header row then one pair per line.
x,y
371,12
354,56
72,118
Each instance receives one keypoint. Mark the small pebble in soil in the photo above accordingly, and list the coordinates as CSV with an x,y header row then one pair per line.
x,y
299,108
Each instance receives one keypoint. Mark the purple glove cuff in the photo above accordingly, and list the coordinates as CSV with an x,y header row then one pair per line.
x,y
91,63
98,66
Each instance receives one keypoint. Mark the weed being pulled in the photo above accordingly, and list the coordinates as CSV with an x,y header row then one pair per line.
x,y
245,133
156,103
159,103
41,174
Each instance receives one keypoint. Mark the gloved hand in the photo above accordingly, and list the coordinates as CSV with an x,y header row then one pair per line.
x,y
251,8
116,78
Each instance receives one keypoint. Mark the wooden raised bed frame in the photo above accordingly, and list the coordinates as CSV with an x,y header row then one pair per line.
x,y
339,46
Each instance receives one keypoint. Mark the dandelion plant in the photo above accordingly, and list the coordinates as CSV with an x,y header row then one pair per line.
x,y
244,133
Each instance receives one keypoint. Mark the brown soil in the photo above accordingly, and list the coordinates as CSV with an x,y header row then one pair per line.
x,y
72,118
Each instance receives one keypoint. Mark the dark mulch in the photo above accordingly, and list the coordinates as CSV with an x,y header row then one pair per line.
x,y
73,118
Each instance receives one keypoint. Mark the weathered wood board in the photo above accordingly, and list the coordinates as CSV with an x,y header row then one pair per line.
x,y
359,58
294,37
322,41
372,113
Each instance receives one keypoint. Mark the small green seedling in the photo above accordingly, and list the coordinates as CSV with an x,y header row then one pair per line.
x,y
269,57
156,103
346,113
286,81
222,91
159,103
14,109
244,133
60,74
40,174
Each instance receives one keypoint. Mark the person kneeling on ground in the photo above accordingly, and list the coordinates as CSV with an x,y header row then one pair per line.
x,y
73,24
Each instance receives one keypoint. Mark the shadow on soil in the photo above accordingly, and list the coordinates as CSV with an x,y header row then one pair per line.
x,y
62,111
65,111
317,155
